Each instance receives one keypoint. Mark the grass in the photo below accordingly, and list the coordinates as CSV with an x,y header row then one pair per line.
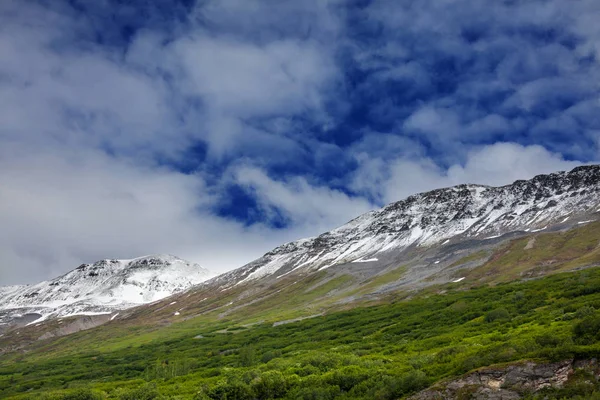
x,y
479,255
550,253
385,351
378,281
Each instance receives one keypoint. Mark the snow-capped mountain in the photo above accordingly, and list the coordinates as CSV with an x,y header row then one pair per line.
x,y
439,217
102,287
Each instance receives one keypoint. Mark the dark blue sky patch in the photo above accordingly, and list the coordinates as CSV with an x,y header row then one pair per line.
x,y
442,79
240,203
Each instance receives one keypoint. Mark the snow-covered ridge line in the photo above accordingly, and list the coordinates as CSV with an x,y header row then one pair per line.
x,y
103,287
437,216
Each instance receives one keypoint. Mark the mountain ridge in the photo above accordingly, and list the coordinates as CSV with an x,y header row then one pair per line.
x,y
450,214
101,287
426,239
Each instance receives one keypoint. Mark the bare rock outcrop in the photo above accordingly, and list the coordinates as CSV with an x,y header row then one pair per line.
x,y
508,382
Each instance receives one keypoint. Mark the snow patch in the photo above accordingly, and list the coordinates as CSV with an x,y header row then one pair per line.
x,y
492,237
458,280
35,321
360,260
114,316
586,222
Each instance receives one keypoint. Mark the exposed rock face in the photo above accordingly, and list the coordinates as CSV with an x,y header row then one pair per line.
x,y
508,383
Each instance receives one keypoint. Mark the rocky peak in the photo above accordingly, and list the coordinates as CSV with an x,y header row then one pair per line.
x,y
436,216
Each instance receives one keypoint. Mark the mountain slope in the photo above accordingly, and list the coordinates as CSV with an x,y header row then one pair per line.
x,y
102,287
463,236
440,216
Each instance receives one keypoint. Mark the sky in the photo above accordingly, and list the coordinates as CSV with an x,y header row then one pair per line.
x,y
217,130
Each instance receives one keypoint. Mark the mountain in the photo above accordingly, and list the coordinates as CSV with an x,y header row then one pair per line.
x,y
463,236
101,288
439,217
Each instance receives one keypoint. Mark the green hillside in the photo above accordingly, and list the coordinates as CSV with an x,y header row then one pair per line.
x,y
379,352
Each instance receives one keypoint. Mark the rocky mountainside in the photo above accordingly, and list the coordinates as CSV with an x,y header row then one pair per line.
x,y
454,236
101,287
442,216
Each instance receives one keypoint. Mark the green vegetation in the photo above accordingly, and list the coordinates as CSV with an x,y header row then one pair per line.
x,y
379,352
479,255
380,280
541,254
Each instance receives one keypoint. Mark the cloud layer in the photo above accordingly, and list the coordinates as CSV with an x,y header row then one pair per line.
x,y
218,130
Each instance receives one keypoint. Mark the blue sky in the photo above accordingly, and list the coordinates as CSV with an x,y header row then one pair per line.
x,y
216,130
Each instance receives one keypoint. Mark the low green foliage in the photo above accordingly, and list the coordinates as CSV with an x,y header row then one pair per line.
x,y
379,352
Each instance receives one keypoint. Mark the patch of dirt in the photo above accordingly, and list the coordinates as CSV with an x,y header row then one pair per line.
x,y
530,244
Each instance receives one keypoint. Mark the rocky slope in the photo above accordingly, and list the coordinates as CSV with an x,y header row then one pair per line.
x,y
100,288
442,216
514,381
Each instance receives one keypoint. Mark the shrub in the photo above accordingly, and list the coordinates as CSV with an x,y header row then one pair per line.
x,y
587,331
585,311
269,355
231,390
270,385
146,392
82,394
79,394
499,314
247,356
314,393
347,377
547,340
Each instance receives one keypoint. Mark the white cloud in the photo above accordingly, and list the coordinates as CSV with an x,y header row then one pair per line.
x,y
60,209
310,209
496,165
83,126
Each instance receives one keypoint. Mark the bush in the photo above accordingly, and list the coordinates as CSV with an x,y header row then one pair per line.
x,y
247,356
499,314
588,330
79,394
270,385
314,393
391,387
146,392
231,390
346,378
547,340
269,355
83,394
585,311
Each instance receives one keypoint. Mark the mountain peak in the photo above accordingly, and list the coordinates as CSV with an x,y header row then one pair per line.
x,y
466,211
104,286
